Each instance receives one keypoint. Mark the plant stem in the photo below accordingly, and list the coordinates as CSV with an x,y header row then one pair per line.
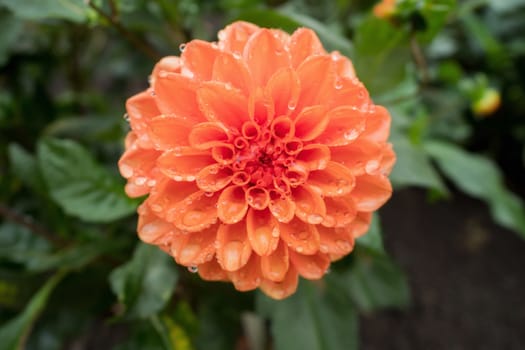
x,y
419,58
26,221
140,44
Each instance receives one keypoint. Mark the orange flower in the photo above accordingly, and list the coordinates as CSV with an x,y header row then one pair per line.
x,y
262,154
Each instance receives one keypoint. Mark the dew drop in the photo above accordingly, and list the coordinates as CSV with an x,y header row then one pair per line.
x,y
208,194
126,117
237,55
275,232
152,183
193,269
126,171
182,47
221,35
371,166
351,135
314,219
139,181
343,245
152,93
338,83
292,105
299,249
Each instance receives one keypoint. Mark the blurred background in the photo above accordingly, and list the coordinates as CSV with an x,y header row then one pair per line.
x,y
441,267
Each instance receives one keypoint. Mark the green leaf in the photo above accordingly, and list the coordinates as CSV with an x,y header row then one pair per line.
x,y
381,56
11,28
145,283
413,167
25,167
18,244
373,282
436,13
311,319
15,331
480,177
37,10
80,185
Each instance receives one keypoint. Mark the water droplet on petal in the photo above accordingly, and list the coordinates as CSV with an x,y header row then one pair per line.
x,y
299,249
275,232
351,135
182,47
338,83
292,105
237,55
343,245
126,171
126,117
208,194
139,181
314,219
152,183
193,269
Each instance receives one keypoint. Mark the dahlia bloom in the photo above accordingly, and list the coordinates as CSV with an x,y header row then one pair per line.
x,y
385,9
262,156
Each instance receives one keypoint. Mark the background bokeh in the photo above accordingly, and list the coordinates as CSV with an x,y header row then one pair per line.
x,y
441,267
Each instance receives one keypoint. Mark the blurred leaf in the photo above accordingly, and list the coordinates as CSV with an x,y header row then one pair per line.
x,y
88,128
11,28
381,56
436,13
80,185
24,166
269,18
18,244
313,318
372,239
36,10
172,334
15,331
413,167
142,337
145,283
480,178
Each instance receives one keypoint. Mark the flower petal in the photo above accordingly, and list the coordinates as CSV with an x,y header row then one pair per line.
x,y
282,289
196,212
257,197
198,57
166,196
314,156
336,241
360,156
282,208
377,125
263,231
232,205
311,122
304,43
214,178
317,77
169,131
184,164
248,277
265,54
275,265
222,103
176,94
388,160
206,135
233,38
340,211
141,108
361,224
309,205
283,90
334,180
343,65
232,70
233,248
345,125
212,271
312,267
371,192
300,236
152,229
195,248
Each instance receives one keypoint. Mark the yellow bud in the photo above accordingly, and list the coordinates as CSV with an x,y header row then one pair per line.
x,y
487,104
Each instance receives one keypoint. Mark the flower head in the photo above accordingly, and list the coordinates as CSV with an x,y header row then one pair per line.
x,y
385,9
262,154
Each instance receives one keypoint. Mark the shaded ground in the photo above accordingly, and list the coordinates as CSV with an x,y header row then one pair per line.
x,y
466,274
